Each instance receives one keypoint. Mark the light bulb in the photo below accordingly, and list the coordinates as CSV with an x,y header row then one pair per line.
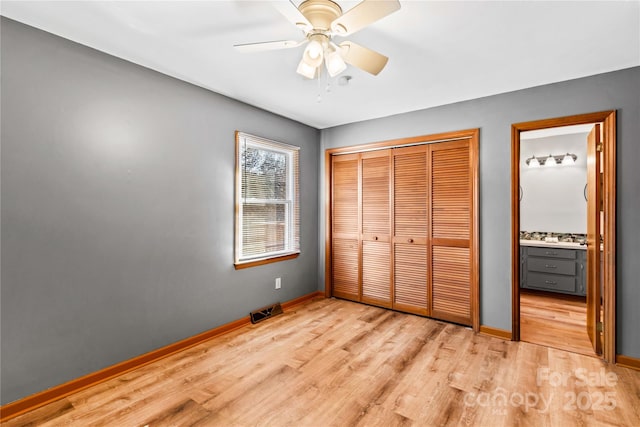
x,y
313,54
314,50
551,161
306,70
334,62
568,160
534,163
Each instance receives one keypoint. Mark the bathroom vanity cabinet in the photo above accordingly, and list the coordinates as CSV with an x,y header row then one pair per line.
x,y
553,268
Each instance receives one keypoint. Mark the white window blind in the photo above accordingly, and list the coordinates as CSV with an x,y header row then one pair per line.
x,y
267,211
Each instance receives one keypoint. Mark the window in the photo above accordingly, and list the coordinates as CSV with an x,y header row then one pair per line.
x,y
267,212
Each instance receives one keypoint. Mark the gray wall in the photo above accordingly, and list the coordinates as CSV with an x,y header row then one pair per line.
x,y
118,211
494,116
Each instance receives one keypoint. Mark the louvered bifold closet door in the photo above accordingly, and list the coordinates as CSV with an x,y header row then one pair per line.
x,y
345,227
450,239
376,228
410,197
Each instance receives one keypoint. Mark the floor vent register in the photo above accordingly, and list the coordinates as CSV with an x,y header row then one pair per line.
x,y
265,312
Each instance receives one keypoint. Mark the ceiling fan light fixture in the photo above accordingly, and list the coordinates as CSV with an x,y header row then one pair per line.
x,y
320,21
334,62
306,70
313,53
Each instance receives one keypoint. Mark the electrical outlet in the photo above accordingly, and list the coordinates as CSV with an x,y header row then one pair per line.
x,y
278,283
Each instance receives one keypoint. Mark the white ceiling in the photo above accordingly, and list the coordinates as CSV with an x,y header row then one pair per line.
x,y
440,51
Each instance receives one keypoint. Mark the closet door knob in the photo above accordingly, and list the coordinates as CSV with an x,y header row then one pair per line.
x,y
375,237
410,240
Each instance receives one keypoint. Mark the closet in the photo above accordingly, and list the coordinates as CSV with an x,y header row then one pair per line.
x,y
403,225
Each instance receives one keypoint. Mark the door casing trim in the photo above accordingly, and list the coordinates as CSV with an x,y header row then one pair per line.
x,y
608,120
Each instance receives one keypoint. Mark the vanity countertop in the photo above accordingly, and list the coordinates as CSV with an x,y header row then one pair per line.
x,y
542,243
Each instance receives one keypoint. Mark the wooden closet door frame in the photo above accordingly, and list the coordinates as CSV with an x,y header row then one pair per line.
x,y
608,120
473,135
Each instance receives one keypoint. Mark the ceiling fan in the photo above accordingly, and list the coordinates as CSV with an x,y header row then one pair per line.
x,y
321,20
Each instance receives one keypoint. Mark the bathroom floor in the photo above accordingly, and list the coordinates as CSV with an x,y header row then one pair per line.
x,y
555,320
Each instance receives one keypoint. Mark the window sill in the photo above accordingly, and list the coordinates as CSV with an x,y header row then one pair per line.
x,y
247,264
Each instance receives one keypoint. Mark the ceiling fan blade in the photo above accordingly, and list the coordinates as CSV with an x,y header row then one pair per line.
x,y
366,59
273,45
291,12
363,14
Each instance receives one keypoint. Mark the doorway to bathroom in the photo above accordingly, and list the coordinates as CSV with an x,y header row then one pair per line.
x,y
563,233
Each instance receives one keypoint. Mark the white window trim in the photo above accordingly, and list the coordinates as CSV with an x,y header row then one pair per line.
x,y
292,246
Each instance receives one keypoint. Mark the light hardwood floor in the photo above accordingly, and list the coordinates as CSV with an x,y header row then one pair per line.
x,y
555,320
338,363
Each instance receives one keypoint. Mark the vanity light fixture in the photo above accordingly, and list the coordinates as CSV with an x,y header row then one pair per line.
x,y
551,160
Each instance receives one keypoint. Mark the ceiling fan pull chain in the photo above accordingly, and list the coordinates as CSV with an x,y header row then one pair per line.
x,y
319,98
328,86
